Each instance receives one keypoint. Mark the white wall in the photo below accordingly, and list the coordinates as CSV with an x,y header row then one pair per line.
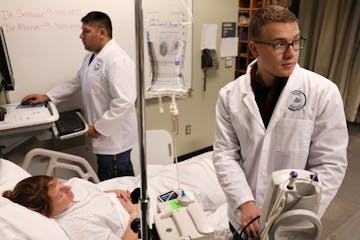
x,y
197,110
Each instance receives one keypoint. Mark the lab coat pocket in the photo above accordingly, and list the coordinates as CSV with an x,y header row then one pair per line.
x,y
293,137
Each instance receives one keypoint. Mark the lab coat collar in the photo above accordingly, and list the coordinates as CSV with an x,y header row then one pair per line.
x,y
249,97
104,49
97,59
280,108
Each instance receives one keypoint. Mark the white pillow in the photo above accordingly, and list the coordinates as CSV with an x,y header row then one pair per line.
x,y
18,222
10,175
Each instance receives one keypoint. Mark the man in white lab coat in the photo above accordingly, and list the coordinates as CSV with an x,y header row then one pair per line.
x,y
108,85
276,116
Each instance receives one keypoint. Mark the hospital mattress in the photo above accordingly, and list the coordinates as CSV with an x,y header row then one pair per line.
x,y
196,175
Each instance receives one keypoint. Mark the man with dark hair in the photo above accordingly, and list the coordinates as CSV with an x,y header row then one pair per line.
x,y
276,116
100,19
107,82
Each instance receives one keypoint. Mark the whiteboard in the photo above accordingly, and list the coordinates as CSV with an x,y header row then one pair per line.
x,y
44,44
43,38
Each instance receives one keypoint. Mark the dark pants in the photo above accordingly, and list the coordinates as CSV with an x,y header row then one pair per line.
x,y
110,166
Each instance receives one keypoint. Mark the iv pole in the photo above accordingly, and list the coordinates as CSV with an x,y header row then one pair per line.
x,y
144,200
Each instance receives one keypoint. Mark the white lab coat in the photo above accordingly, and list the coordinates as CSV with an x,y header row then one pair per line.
x,y
108,87
307,130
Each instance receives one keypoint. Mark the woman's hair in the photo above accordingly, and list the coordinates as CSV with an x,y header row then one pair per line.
x,y
268,14
32,193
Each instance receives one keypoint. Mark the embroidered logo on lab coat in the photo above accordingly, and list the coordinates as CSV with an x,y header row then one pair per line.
x,y
98,64
297,100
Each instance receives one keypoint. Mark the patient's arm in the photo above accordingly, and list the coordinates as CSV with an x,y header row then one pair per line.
x,y
133,210
120,193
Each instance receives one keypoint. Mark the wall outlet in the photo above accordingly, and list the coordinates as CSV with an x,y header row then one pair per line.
x,y
187,129
228,62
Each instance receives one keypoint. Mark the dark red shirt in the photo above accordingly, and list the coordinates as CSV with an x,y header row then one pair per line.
x,y
266,97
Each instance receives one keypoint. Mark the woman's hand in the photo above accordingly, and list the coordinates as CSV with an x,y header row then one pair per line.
x,y
132,209
120,193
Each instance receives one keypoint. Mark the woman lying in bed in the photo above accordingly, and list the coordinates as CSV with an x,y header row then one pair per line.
x,y
82,210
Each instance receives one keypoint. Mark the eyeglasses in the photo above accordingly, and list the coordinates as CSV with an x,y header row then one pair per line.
x,y
282,46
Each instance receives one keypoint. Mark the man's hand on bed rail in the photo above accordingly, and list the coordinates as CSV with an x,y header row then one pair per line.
x,y
120,193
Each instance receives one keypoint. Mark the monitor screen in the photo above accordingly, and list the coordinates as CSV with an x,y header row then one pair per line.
x,y
6,73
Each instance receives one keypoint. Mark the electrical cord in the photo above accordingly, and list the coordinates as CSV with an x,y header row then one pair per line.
x,y
243,235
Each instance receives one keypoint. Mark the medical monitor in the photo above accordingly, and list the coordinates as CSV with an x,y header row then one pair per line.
x,y
290,206
6,73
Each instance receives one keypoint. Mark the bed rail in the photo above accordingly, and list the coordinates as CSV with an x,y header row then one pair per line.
x,y
62,160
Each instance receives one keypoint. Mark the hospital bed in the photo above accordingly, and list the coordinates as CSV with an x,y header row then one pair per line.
x,y
196,175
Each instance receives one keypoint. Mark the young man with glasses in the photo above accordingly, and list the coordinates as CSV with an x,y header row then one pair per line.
x,y
276,116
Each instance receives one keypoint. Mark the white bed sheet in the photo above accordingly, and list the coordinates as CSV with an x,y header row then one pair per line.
x,y
196,175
